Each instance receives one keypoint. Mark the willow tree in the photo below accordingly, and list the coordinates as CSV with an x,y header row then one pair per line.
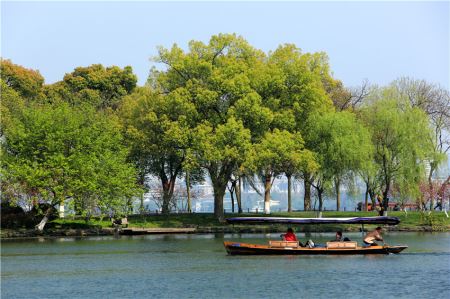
x,y
400,135
342,145
435,102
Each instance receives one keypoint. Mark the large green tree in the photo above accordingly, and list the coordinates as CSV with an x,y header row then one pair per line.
x,y
294,86
159,130
56,153
214,76
221,150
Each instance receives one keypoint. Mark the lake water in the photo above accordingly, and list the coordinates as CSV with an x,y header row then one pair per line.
x,y
197,266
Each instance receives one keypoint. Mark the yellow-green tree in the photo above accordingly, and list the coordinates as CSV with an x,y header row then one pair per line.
x,y
400,136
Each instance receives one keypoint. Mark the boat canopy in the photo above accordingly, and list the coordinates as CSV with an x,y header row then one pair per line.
x,y
287,220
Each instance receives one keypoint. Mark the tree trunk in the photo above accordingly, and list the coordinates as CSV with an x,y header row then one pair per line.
x,y
41,225
307,198
289,178
238,196
168,187
385,202
141,208
372,198
232,189
267,187
430,184
61,208
366,199
319,194
219,192
337,185
166,201
188,192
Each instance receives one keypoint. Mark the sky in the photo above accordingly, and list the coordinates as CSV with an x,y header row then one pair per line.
x,y
377,41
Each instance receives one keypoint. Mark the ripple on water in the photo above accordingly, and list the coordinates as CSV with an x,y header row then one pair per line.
x,y
197,267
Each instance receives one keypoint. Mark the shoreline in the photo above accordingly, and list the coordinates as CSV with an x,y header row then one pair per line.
x,y
13,234
207,224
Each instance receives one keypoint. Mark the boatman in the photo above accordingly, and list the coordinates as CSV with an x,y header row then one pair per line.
x,y
289,236
370,238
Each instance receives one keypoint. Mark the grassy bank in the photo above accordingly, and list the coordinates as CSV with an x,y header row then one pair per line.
x,y
206,223
412,221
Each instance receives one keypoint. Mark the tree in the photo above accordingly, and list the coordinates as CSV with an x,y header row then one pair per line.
x,y
60,153
99,86
159,128
214,77
293,86
400,138
221,150
28,83
342,146
277,151
435,102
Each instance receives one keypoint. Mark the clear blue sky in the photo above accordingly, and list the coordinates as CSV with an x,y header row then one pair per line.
x,y
379,41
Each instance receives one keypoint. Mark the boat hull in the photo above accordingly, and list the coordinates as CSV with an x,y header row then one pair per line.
x,y
236,248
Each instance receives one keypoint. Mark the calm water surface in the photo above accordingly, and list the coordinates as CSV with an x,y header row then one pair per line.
x,y
196,266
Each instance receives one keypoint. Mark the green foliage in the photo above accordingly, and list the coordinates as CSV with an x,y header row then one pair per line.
x,y
99,86
223,107
158,130
400,134
278,151
56,153
341,143
28,83
222,149
213,77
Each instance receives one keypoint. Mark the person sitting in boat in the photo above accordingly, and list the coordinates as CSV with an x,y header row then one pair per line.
x,y
371,237
289,235
339,238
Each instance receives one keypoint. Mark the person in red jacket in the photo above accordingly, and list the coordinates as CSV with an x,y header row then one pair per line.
x,y
289,236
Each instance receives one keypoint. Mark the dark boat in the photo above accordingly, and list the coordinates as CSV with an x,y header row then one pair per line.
x,y
288,220
294,248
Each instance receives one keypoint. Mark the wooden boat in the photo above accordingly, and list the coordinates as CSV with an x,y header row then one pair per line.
x,y
294,248
235,248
